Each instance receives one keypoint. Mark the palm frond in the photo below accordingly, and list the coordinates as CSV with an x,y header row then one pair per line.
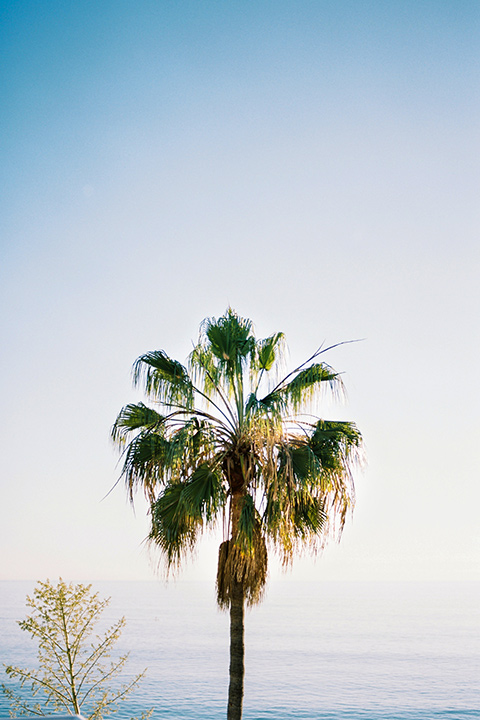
x,y
230,339
133,417
309,516
221,357
145,463
204,370
305,385
203,495
180,511
174,528
312,490
266,411
164,379
334,443
268,351
304,463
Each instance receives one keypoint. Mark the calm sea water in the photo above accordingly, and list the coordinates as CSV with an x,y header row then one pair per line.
x,y
314,651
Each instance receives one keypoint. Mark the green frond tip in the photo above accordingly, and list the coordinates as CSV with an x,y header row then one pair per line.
x,y
230,338
267,350
174,529
145,460
335,443
133,417
164,379
307,382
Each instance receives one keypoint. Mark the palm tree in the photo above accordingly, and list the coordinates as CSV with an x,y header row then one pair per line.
x,y
227,440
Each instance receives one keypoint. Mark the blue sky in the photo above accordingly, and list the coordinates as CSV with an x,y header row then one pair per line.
x,y
313,164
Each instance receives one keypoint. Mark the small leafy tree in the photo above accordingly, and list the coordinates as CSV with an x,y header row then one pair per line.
x,y
74,667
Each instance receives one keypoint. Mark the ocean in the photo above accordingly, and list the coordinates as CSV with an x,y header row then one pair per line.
x,y
314,650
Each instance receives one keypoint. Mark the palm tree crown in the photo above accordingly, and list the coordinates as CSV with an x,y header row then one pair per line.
x,y
230,438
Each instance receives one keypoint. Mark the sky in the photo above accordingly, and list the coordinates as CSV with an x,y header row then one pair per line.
x,y
314,165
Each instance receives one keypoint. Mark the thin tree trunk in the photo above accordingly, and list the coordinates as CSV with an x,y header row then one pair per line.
x,y
237,602
237,653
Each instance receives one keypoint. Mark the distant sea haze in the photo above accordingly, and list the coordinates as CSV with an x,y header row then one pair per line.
x,y
314,651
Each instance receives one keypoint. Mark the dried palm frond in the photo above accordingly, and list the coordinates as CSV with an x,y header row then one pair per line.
x,y
245,565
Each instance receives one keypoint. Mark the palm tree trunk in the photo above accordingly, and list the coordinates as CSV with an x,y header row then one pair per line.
x,y
237,653
237,603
